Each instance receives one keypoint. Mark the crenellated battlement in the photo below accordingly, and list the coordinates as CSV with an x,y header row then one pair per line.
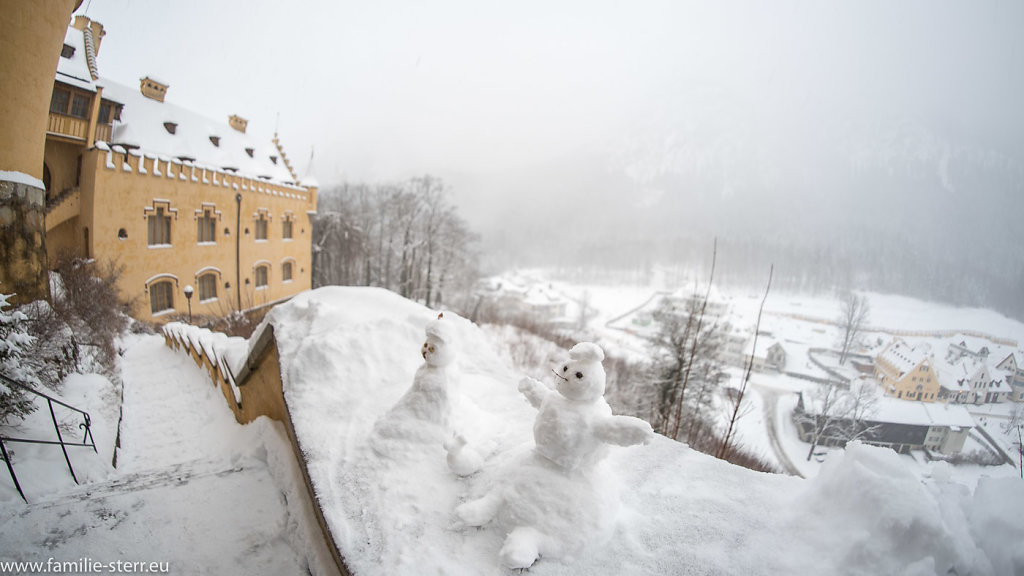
x,y
142,163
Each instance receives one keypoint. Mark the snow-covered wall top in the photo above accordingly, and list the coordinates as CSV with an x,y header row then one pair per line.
x,y
348,354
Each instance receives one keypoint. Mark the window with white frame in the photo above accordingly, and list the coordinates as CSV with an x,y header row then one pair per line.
x,y
208,286
261,276
206,226
261,227
286,272
161,296
159,223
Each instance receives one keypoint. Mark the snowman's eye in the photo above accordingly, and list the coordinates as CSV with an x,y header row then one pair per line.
x,y
579,375
565,368
431,348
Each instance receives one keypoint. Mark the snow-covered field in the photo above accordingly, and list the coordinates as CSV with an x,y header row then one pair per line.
x,y
801,322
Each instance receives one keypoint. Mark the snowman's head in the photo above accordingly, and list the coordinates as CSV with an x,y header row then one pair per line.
x,y
438,350
582,377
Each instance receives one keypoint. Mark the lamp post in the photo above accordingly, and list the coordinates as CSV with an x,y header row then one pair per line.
x,y
188,297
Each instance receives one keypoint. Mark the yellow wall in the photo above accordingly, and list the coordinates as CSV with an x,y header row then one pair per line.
x,y
115,199
33,33
906,387
62,160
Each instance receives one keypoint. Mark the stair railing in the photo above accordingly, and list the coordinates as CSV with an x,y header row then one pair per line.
x,y
50,401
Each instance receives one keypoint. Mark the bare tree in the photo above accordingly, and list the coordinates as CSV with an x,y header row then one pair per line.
x,y
683,342
405,237
853,318
687,349
838,415
738,400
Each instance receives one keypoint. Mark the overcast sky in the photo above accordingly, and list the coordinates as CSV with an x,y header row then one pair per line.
x,y
511,101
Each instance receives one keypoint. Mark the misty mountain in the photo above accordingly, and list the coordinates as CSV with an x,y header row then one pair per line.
x,y
894,206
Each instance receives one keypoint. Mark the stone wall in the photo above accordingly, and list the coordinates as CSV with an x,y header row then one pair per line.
x,y
23,268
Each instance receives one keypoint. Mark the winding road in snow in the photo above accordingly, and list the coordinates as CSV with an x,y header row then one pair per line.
x,y
770,400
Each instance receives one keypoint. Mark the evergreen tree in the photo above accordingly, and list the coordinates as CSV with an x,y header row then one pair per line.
x,y
14,340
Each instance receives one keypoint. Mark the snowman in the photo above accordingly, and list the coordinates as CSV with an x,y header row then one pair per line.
x,y
558,499
575,425
422,414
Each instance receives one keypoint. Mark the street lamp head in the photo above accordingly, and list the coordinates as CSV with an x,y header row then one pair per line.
x,y
188,292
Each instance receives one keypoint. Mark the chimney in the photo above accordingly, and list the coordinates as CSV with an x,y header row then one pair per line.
x,y
83,22
238,123
153,89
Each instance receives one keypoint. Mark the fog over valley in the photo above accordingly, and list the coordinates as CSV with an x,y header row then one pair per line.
x,y
858,144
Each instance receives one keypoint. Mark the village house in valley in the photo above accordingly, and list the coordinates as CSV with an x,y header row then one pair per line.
x,y
906,372
178,199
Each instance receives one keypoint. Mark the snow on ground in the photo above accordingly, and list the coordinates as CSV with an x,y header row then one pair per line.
x,y
801,322
193,489
349,354
41,469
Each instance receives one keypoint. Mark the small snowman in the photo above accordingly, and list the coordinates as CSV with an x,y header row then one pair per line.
x,y
553,501
422,414
575,425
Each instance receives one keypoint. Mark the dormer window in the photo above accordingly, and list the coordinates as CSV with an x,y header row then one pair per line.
x,y
249,151
171,127
274,159
215,140
67,51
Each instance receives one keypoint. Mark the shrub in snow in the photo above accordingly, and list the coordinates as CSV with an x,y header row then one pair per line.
x,y
54,353
86,298
14,340
553,502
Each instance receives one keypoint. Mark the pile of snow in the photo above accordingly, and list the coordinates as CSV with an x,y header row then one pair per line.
x,y
349,354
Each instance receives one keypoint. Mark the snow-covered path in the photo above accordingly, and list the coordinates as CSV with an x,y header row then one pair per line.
x,y
171,412
193,489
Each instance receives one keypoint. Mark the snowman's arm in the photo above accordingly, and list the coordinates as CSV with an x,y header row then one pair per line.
x,y
534,390
623,431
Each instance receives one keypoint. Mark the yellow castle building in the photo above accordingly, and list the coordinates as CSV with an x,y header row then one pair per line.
x,y
190,206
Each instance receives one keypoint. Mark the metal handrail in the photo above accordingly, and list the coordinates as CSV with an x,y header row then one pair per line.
x,y
86,424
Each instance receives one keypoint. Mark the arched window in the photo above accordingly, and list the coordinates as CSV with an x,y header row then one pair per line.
x,y
286,271
262,272
207,287
161,296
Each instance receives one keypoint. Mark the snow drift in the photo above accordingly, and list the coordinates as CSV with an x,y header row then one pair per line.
x,y
348,354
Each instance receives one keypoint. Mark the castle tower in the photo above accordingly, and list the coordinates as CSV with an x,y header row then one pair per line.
x,y
24,116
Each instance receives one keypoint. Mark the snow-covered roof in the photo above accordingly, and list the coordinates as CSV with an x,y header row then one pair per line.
x,y
764,343
145,124
958,374
75,70
904,357
896,411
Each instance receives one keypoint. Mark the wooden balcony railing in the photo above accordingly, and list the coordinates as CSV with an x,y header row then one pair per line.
x,y
72,127
103,132
68,126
